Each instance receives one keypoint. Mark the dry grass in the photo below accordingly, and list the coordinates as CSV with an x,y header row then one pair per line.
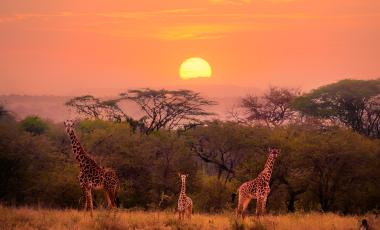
x,y
28,218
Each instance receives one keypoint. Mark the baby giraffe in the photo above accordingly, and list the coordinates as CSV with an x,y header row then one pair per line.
x,y
185,204
256,189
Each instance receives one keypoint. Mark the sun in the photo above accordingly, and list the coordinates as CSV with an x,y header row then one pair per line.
x,y
194,67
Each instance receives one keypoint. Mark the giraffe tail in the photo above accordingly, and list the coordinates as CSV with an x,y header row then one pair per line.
x,y
233,195
117,198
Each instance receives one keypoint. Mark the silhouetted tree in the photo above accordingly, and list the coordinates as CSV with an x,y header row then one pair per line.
x,y
272,108
169,109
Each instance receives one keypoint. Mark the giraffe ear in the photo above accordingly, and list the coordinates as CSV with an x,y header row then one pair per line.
x,y
187,175
279,151
179,175
270,150
64,123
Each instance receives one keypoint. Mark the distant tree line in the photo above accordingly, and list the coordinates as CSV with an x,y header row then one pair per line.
x,y
330,158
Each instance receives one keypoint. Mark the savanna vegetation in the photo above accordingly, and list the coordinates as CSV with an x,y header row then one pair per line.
x,y
329,165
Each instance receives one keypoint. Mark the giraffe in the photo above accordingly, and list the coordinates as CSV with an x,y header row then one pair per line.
x,y
185,204
256,189
92,176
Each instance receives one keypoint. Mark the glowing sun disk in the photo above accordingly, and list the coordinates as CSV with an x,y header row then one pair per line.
x,y
194,67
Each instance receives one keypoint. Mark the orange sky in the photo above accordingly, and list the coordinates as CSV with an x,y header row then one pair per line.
x,y
53,47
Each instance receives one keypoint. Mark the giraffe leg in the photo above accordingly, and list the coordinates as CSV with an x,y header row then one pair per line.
x,y
245,205
189,209
264,203
258,206
179,214
89,200
187,215
240,205
111,201
84,200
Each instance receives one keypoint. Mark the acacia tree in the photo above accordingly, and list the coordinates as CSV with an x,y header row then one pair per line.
x,y
223,144
169,109
354,103
93,108
272,108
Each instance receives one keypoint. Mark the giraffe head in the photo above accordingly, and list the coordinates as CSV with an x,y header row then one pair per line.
x,y
69,125
274,151
183,176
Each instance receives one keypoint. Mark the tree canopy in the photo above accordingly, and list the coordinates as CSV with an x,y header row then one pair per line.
x,y
272,108
34,124
169,109
355,103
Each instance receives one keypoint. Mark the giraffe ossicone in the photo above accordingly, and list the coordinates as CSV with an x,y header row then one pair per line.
x,y
92,176
256,189
185,204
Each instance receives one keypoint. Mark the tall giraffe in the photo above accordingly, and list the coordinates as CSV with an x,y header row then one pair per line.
x,y
256,189
185,204
92,176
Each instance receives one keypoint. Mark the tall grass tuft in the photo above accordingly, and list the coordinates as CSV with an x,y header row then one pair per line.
x,y
12,218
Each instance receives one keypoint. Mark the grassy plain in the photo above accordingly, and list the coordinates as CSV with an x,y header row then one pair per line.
x,y
41,219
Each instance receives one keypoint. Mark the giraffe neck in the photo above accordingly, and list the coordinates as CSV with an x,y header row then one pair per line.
x,y
267,172
80,155
183,189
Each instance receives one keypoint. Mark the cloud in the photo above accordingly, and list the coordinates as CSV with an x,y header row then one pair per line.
x,y
135,15
242,2
185,31
166,14
234,2
177,24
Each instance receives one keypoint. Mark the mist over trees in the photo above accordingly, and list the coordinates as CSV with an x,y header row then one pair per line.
x,y
330,158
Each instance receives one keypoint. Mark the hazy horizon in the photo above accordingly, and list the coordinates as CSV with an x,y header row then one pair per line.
x,y
52,106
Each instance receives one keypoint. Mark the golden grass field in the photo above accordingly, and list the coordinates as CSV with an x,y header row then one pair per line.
x,y
31,218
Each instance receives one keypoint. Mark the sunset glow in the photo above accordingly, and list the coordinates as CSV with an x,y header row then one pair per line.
x,y
54,47
195,67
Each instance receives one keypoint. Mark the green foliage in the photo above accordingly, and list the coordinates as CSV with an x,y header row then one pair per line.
x,y
354,103
214,195
333,162
223,145
34,125
16,154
